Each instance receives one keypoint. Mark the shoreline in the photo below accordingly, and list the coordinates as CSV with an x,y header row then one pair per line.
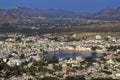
x,y
68,51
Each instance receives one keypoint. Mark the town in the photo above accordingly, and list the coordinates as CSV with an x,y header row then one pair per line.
x,y
23,57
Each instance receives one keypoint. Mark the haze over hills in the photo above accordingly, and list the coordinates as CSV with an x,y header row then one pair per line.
x,y
109,13
10,16
17,20
17,14
46,12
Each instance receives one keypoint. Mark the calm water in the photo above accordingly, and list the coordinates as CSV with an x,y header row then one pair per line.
x,y
73,55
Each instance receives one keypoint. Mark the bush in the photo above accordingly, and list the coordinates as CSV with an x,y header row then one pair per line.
x,y
49,78
75,78
103,79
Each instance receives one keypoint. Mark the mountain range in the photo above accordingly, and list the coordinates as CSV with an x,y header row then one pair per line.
x,y
109,13
20,13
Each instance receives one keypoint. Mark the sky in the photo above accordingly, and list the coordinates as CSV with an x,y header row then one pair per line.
x,y
71,5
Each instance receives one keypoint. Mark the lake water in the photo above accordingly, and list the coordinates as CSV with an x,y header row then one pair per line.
x,y
72,55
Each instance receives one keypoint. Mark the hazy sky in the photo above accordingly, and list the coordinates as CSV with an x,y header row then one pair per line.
x,y
73,5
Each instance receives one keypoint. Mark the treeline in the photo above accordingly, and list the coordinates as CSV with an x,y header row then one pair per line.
x,y
12,28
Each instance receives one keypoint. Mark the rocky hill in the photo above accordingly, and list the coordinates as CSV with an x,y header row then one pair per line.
x,y
109,14
20,14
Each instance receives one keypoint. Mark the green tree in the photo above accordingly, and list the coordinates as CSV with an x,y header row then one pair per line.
x,y
49,78
75,78
53,60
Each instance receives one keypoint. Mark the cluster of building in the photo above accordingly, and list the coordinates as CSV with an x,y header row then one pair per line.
x,y
17,49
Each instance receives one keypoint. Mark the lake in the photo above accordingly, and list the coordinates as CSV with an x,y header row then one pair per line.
x,y
72,55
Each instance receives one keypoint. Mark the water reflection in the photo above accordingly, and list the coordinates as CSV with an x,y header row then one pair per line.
x,y
73,55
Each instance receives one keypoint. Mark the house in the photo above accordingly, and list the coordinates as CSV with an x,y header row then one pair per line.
x,y
118,42
14,62
110,61
50,66
98,37
118,75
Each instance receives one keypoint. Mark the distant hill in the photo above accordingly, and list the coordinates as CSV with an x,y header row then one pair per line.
x,y
10,16
20,14
47,12
109,14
